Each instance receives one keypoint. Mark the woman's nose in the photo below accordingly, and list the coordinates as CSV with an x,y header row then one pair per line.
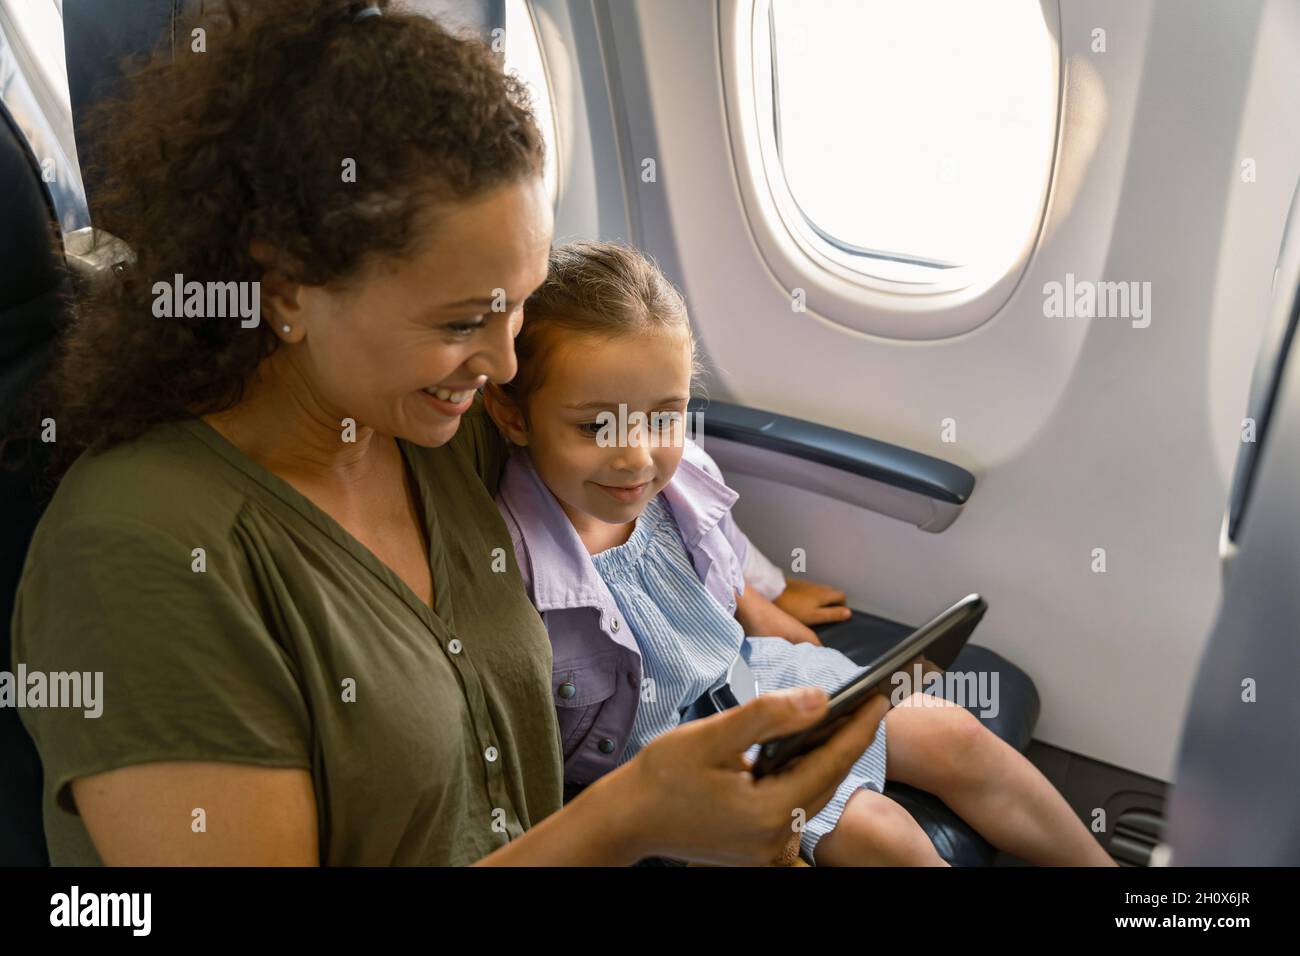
x,y
497,359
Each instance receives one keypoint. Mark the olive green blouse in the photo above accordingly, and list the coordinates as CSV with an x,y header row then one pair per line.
x,y
233,620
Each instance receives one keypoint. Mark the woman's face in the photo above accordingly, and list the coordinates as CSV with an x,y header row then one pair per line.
x,y
403,348
598,480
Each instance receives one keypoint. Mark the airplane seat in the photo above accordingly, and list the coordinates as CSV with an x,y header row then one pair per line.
x,y
35,288
33,291
907,485
1234,795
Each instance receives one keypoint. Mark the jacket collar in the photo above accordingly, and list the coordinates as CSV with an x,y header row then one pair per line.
x,y
698,500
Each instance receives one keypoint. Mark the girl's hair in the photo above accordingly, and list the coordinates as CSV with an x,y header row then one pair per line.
x,y
254,139
602,290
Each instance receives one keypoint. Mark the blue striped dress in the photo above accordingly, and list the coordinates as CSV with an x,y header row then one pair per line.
x,y
688,642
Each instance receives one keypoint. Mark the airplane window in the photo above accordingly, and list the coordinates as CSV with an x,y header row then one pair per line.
x,y
36,27
915,139
523,53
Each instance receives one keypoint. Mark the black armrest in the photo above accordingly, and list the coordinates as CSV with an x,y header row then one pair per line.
x,y
899,482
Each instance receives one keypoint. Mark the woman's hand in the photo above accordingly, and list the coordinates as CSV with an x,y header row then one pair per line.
x,y
690,794
761,618
813,603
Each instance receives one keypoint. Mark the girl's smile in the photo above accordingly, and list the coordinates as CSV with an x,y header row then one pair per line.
x,y
625,493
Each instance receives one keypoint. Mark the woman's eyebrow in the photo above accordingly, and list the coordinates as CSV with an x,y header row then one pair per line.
x,y
484,302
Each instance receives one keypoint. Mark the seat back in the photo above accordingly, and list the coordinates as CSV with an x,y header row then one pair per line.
x,y
34,294
33,301
1234,796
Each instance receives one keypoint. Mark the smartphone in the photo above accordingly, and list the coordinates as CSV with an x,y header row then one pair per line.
x,y
945,635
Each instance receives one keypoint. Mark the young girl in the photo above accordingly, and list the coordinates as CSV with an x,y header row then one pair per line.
x,y
630,553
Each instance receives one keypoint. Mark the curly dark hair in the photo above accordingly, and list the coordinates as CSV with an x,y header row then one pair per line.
x,y
204,152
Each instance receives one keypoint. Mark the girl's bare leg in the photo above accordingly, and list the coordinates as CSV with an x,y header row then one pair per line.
x,y
942,748
875,831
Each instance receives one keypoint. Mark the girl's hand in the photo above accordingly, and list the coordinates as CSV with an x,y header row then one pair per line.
x,y
690,795
761,618
813,603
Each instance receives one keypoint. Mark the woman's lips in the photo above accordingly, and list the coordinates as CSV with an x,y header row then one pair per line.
x,y
447,408
624,493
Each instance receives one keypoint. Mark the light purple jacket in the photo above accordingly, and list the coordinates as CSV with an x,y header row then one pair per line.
x,y
596,669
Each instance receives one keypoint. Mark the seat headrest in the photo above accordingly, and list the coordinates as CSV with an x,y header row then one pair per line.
x,y
98,46
28,264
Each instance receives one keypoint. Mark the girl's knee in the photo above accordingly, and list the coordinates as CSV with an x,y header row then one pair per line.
x,y
945,738
922,699
959,739
875,829
964,727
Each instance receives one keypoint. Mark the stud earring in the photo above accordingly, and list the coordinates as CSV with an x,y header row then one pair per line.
x,y
284,328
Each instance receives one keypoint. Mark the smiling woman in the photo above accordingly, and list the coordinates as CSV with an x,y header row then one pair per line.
x,y
283,538
255,196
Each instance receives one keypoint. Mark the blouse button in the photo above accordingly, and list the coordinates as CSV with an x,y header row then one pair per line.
x,y
567,690
490,754
731,605
606,746
615,625
454,645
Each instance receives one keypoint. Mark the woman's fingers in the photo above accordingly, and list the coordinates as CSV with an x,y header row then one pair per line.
x,y
767,716
811,782
701,804
696,799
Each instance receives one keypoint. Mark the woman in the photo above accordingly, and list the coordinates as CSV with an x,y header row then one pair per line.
x,y
282,551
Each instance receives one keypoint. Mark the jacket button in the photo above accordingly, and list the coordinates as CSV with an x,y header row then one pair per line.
x,y
615,624
606,746
454,645
567,690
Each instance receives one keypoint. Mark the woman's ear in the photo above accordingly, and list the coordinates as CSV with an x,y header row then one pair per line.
x,y
279,292
506,414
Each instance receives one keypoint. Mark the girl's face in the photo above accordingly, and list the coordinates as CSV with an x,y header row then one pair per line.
x,y
609,481
374,351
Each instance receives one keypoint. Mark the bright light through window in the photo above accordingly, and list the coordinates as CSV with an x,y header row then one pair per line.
x,y
915,131
39,24
524,58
